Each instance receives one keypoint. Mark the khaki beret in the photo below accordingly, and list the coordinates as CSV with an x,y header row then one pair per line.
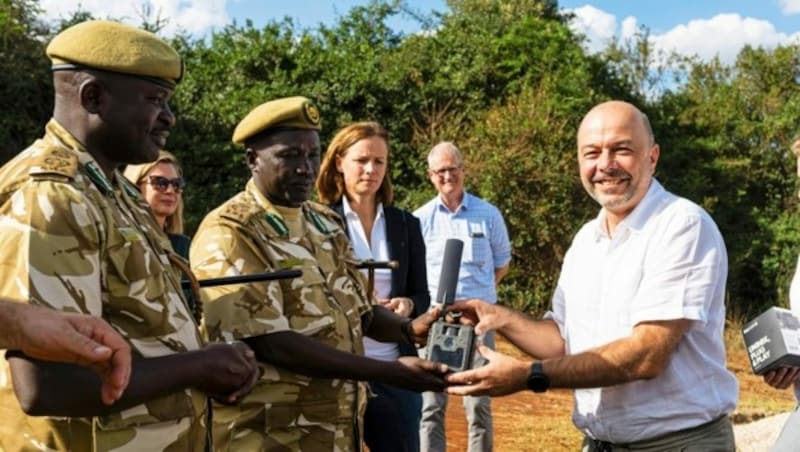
x,y
288,113
115,47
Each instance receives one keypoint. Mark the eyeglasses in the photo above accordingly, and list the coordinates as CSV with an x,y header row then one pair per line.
x,y
161,183
448,169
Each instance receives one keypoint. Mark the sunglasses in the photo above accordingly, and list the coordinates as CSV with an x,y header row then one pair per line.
x,y
161,184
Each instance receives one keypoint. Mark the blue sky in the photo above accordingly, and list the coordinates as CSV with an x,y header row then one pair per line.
x,y
702,27
661,17
705,28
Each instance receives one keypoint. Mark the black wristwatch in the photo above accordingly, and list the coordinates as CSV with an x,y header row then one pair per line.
x,y
537,380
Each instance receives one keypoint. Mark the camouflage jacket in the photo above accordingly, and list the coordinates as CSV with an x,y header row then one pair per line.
x,y
247,235
76,241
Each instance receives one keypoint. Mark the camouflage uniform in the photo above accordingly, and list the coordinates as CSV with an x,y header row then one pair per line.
x,y
285,410
77,242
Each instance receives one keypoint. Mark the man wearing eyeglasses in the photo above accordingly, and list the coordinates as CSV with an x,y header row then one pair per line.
x,y
454,213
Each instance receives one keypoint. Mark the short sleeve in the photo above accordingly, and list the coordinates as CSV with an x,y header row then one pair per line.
x,y
501,246
684,272
557,312
50,253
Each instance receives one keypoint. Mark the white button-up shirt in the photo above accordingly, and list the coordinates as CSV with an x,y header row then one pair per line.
x,y
377,249
794,304
666,261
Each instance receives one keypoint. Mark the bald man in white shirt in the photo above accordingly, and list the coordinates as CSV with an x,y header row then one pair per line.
x,y
636,326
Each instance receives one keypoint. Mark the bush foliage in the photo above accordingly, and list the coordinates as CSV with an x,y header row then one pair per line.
x,y
508,81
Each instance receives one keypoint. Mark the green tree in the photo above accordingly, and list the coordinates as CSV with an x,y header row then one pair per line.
x,y
741,120
25,81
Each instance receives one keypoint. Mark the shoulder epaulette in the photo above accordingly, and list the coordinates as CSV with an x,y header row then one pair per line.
x,y
54,161
238,210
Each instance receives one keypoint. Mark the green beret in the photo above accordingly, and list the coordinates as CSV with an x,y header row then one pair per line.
x,y
288,113
115,47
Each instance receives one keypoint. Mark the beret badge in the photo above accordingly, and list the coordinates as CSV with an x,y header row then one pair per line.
x,y
311,112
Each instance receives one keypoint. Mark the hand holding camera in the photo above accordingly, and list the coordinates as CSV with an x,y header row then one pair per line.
x,y
450,343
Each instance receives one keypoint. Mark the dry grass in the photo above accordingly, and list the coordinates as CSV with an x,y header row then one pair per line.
x,y
530,422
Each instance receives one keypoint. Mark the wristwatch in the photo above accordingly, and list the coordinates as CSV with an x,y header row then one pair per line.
x,y
537,380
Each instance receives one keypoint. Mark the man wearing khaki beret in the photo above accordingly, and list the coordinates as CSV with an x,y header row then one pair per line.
x,y
307,332
79,238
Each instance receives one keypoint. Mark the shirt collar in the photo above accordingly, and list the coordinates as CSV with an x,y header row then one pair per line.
x,y
261,199
635,220
57,133
464,203
348,211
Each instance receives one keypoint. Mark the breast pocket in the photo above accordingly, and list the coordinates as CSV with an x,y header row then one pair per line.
x,y
478,249
481,251
141,298
306,304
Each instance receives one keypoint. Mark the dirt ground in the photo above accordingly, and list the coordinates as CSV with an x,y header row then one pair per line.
x,y
522,422
541,422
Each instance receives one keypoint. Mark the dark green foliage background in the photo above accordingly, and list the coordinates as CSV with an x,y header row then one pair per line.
x,y
508,82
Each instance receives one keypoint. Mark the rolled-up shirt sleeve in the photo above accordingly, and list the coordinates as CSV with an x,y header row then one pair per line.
x,y
684,272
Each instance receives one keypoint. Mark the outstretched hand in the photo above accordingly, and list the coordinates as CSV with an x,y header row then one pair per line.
x,y
418,374
76,338
503,375
420,326
485,316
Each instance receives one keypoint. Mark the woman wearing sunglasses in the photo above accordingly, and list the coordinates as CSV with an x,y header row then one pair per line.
x,y
354,181
161,184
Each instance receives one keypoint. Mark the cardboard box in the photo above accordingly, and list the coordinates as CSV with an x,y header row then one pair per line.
x,y
772,340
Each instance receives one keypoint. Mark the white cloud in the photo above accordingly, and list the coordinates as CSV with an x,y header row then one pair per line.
x,y
194,16
790,7
723,35
629,28
597,25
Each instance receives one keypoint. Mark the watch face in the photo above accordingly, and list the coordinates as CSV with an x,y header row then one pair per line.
x,y
537,380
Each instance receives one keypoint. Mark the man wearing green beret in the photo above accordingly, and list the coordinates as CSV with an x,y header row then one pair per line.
x,y
79,238
307,332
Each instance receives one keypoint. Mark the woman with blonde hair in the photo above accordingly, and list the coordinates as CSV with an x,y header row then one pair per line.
x,y
161,184
354,181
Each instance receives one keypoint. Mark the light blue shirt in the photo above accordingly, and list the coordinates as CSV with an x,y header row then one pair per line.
x,y
486,246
